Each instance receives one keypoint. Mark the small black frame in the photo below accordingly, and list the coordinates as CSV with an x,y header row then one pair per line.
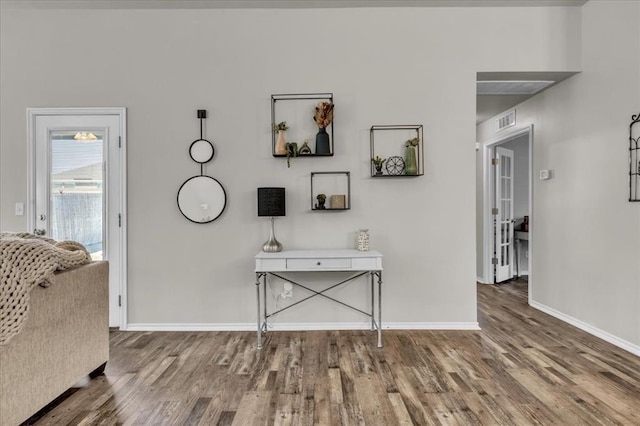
x,y
347,206
634,159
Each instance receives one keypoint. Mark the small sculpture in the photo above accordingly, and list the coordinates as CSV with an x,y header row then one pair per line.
x,y
321,200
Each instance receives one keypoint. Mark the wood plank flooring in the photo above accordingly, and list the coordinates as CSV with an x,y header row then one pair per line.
x,y
523,368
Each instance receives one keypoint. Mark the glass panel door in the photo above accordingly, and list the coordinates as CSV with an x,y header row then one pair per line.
x,y
77,173
76,189
504,217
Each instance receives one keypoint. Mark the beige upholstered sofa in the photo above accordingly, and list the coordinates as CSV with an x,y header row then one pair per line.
x,y
66,337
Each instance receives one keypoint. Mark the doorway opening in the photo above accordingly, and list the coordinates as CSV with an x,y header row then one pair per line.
x,y
77,186
507,206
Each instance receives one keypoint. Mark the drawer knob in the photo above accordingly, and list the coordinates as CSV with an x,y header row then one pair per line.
x,y
318,263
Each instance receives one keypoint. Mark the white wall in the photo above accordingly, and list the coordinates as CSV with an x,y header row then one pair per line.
x,y
384,66
586,249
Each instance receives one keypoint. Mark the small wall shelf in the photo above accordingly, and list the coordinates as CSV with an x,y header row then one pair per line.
x,y
634,159
297,110
337,188
388,142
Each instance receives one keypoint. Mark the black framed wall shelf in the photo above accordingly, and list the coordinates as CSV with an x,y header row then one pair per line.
x,y
634,158
396,150
297,113
330,191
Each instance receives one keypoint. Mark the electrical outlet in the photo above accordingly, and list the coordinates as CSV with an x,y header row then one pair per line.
x,y
19,209
287,290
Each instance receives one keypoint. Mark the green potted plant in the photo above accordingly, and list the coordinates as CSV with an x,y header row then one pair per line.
x,y
292,151
281,145
321,200
377,162
411,166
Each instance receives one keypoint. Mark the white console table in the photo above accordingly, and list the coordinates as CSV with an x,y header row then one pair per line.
x,y
359,262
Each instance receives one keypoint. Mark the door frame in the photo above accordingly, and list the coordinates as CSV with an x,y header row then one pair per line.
x,y
32,114
487,196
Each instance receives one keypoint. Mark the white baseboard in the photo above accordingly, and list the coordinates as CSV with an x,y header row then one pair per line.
x,y
608,337
482,281
305,326
431,326
192,327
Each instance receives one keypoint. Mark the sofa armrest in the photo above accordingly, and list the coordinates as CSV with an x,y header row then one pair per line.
x,y
66,337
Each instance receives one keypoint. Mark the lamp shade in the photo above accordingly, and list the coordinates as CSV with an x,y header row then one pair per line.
x,y
271,202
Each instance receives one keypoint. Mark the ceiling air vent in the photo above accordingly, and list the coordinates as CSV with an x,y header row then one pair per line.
x,y
506,120
511,87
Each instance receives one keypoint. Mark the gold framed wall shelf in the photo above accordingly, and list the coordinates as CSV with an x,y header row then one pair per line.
x,y
396,151
296,123
330,191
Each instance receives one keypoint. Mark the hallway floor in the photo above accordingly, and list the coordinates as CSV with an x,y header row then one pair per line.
x,y
524,367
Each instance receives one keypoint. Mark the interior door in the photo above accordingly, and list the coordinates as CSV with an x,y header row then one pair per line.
x,y
78,189
503,213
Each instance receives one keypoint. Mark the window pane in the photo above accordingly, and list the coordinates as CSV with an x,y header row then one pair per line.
x,y
77,188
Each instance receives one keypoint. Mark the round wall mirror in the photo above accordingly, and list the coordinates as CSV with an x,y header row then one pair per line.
x,y
201,151
201,199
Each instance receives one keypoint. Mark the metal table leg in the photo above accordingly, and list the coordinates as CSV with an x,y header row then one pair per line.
x,y
258,275
264,300
379,309
372,303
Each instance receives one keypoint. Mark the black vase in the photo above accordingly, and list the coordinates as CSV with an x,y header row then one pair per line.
x,y
322,142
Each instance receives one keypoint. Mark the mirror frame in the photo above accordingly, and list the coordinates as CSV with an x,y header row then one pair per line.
x,y
196,145
186,185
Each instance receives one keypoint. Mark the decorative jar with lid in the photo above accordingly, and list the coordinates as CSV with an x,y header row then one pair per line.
x,y
363,240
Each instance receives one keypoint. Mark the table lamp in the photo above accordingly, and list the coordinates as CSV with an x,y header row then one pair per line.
x,y
271,203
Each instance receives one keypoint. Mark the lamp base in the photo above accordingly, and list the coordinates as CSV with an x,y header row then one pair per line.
x,y
272,245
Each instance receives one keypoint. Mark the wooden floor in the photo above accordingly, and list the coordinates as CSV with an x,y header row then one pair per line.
x,y
523,368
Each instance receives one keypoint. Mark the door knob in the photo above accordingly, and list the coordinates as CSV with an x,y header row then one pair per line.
x,y
43,217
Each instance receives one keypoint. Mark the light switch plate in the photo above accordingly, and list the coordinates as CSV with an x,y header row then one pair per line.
x,y
545,174
19,209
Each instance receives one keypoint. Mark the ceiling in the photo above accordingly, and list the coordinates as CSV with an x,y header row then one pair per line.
x,y
487,105
266,4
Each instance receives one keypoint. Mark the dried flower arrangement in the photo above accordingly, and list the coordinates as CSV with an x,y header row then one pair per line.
x,y
324,114
412,142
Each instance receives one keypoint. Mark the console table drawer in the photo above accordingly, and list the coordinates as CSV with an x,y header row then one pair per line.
x,y
319,263
271,264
